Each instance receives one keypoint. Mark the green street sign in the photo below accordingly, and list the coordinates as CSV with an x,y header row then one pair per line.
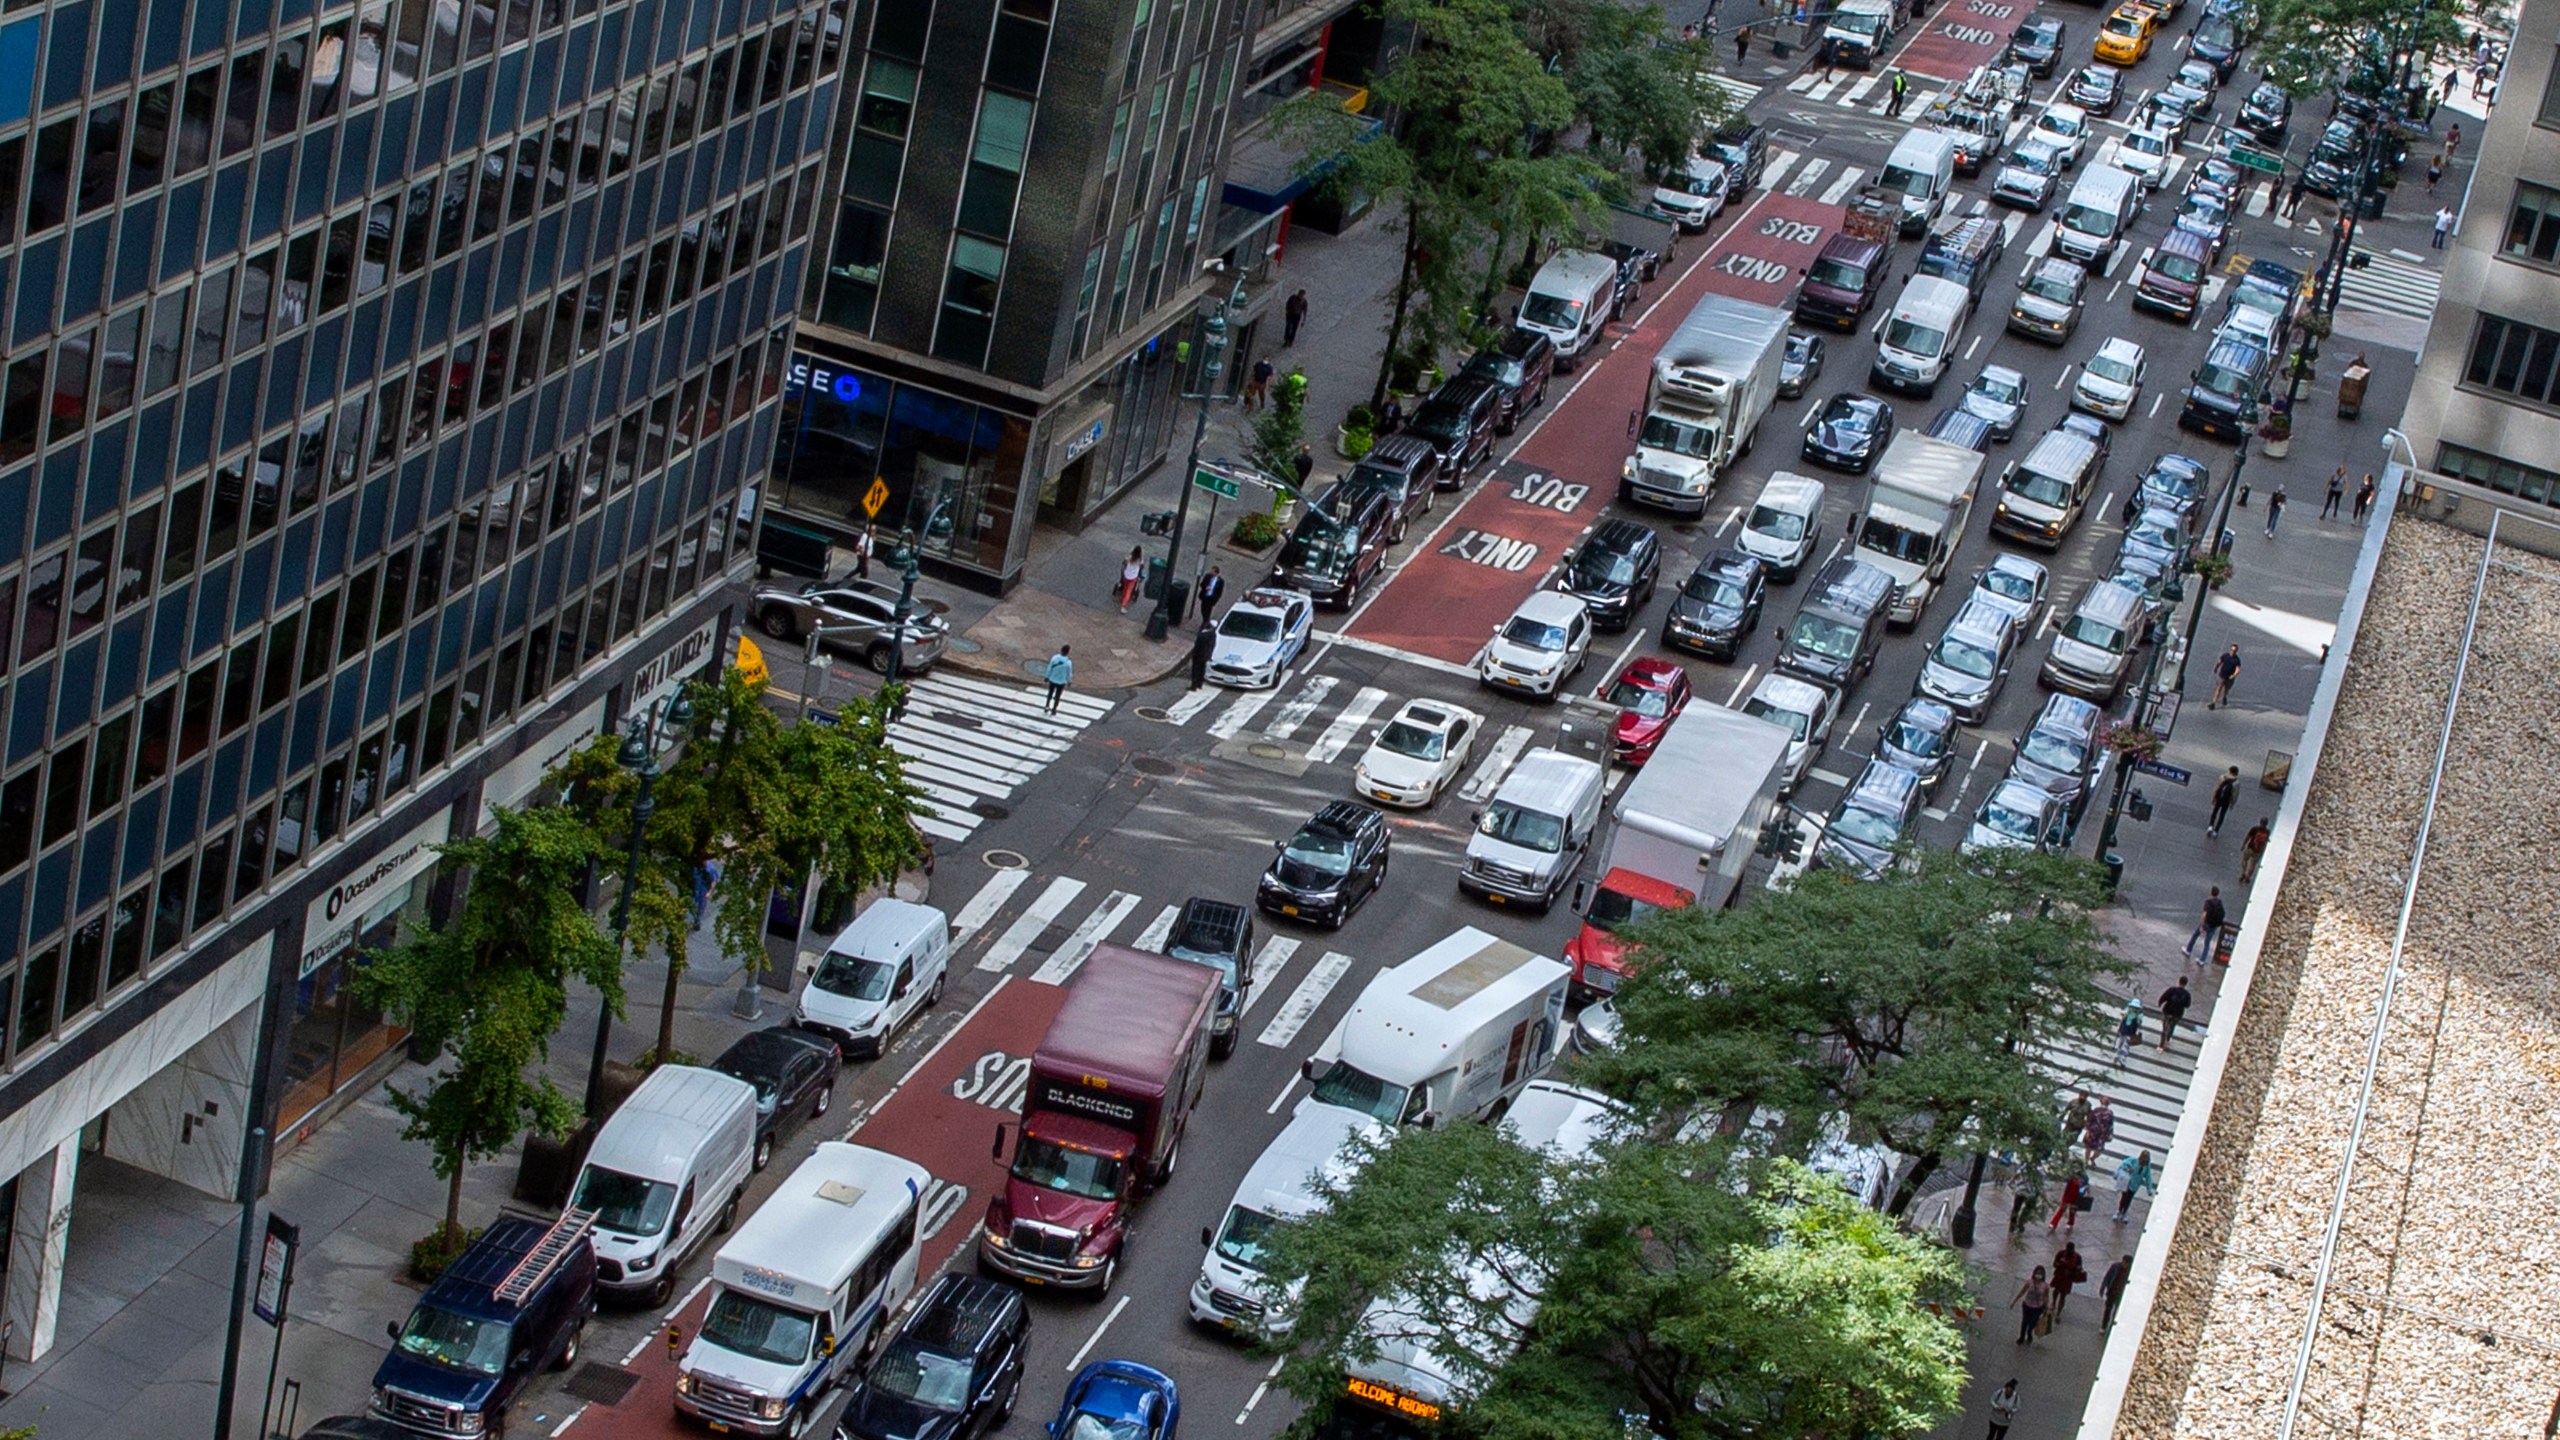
x,y
1213,482
2246,158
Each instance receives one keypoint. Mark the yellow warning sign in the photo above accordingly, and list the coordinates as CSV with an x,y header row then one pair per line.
x,y
875,497
751,666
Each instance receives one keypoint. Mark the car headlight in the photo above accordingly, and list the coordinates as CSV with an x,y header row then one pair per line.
x,y
470,1422
773,1407
638,1263
684,1382
1086,1262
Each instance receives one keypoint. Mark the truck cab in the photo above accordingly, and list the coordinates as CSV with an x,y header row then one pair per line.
x,y
1919,500
1712,384
1625,897
1451,1034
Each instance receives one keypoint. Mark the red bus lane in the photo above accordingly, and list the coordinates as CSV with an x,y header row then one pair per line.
x,y
1504,541
1963,34
943,1116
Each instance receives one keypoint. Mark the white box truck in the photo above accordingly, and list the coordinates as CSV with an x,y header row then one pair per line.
x,y
1685,830
1451,1034
665,1173
1918,501
1316,1146
1858,29
1712,383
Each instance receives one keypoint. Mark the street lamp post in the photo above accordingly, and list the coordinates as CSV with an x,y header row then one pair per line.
x,y
639,755
2216,523
2145,709
1213,363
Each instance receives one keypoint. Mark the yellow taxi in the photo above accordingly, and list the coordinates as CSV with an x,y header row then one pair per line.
x,y
2125,36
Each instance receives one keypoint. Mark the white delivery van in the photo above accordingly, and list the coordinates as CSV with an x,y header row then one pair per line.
x,y
1784,527
1281,1186
2096,216
1571,297
1919,339
886,966
1527,840
804,1290
668,1169
1451,1034
1922,170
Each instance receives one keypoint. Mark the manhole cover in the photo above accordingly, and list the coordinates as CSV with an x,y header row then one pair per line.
x,y
1153,765
1268,751
1006,860
601,1384
1153,712
989,809
962,645
1037,669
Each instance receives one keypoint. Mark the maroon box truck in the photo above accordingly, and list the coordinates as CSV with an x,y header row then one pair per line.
x,y
1111,1087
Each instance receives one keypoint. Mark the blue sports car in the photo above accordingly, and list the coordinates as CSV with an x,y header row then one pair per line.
x,y
1117,1400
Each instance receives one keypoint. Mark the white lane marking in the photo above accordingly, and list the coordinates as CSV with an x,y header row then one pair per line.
x,y
1027,926
1346,726
1805,177
2042,245
2060,376
1730,517
1087,1347
2156,397
1635,637
1777,168
855,1122
1286,1087
1848,181
2107,505
1972,345
1268,962
1097,927
1496,764
1409,657
1153,937
2045,622
1741,687
1181,711
1300,706
1978,751
1827,777
1617,776
1859,725
1231,721
1303,1002
982,907
1859,91
1258,1392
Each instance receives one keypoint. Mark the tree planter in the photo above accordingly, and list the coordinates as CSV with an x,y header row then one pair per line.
x,y
1351,444
2276,447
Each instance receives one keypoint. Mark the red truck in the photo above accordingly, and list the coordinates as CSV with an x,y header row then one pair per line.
x,y
1111,1087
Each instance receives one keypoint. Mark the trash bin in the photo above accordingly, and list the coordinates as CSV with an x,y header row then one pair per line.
x,y
2115,872
1179,602
1155,579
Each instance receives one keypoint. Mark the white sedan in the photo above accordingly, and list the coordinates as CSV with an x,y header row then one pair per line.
x,y
1418,754
1260,635
2111,383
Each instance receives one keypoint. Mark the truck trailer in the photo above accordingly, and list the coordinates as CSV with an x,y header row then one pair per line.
x,y
1918,501
1712,384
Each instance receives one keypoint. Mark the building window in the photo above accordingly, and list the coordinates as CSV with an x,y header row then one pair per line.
x,y
969,301
900,30
1119,141
2490,472
1124,273
2515,358
995,165
2533,225
1020,46
852,286
1085,294
880,122
2550,97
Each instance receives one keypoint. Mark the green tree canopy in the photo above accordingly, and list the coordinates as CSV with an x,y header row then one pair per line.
x,y
2309,46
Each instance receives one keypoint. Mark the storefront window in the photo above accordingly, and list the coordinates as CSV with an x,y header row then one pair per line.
x,y
336,1035
953,468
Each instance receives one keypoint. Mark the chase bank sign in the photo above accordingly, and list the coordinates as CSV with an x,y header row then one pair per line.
x,y
808,375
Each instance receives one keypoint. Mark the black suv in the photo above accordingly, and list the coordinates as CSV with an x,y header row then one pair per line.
x,y
1718,605
952,1372
1219,935
1517,366
794,1072
2038,46
1405,472
1613,571
1457,422
1744,149
1337,860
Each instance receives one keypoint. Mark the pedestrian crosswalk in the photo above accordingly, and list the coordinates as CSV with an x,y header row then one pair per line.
x,y
970,743
1859,89
1738,94
2146,1091
2389,286
1282,716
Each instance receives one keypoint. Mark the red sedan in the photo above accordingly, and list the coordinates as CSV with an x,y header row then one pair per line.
x,y
1650,693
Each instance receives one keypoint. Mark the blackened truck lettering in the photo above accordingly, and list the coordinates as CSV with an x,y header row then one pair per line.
x,y
1076,1100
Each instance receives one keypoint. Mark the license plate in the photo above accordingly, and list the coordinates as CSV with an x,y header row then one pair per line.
x,y
1288,909
721,1426
1031,1280
1383,795
1495,899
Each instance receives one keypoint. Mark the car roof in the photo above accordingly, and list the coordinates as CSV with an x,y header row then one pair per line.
x,y
1883,785
771,1046
1788,489
1204,913
1651,671
2118,345
2064,109
1982,620
1342,817
1619,534
2067,712
2055,265
2006,560
1553,606
960,1312
1432,714
1730,561
1519,344
1932,714
2019,794
1787,692
2002,373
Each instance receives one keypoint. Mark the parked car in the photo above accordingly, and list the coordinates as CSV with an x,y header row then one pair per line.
x,y
1650,693
2267,115
1613,572
1518,367
853,617
1458,422
1417,754
2018,815
1743,147
1117,1400
794,1072
1542,646
1806,710
1920,737
1646,263
1326,871
952,1371
1849,432
1260,637
2060,752
2037,44
1802,364
2176,483
1718,606
1999,396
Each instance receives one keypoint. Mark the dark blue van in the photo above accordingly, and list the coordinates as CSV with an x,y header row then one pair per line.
x,y
517,1300
2222,400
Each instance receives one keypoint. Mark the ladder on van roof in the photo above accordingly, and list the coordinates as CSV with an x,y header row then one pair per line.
x,y
559,1240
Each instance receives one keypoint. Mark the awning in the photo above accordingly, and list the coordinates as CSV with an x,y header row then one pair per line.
x,y
1265,175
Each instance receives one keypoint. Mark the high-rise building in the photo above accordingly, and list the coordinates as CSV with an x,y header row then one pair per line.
x,y
380,380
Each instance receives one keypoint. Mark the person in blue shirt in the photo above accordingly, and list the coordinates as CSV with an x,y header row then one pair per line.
x,y
1061,673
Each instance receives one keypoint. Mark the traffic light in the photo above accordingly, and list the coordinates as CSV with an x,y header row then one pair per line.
x,y
1781,838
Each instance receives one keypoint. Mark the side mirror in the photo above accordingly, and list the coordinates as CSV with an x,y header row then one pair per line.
x,y
1782,637
998,1152
1475,817
1307,1069
1279,844
826,1345
391,1328
1581,895
1205,1240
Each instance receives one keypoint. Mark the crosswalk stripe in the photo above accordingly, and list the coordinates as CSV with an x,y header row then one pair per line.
x,y
2392,287
1300,706
1738,93
956,745
982,907
2042,245
1153,937
1496,764
1346,726
1303,1002
1840,187
1087,708
941,829
1859,91
1803,82
1027,926
1268,962
928,768
1777,168
1812,171
2260,197
2009,227
967,742
1181,711
1097,927
1232,720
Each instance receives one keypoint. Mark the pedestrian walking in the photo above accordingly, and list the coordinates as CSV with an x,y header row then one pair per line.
x,y
2100,1129
1741,45
2444,222
2452,78
2068,1270
1292,315
2026,1195
2136,1175
2111,1289
1304,464
2253,848
1257,390
1830,59
1212,585
2452,141
2004,1411
2075,1116
2337,494
1203,641
2480,76
2208,925
2293,200
2225,791
1132,571
2435,173
1060,674
2128,1028
2364,499
2031,1299
2226,669
2174,1004
2067,1214
2275,510
1900,89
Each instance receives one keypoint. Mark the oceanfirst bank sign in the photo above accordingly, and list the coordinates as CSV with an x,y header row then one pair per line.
x,y
330,927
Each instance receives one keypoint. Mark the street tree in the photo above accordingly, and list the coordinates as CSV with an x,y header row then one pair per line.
x,y
1634,86
490,988
2311,46
1913,1002
767,803
1715,1297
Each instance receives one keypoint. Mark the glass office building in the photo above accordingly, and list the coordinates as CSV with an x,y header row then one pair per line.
x,y
380,381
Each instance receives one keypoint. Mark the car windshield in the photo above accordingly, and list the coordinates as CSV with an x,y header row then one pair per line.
x,y
1533,634
2216,33
1856,822
2009,583
2177,484
925,1377
2145,142
1904,180
2066,126
1413,741
1838,274
2042,489
1501,369
1249,625
456,1342
854,977
1799,348
2060,289
1904,333
2154,530
2181,268
1916,740
1775,523
2053,752
2123,26
1885,538
1858,24
1085,1425
1967,657
624,1204
2034,159
1320,850
2088,220
1348,1088
1680,438
2222,379
1797,723
759,1329
1642,699
1611,909
1240,1239
2112,367
2097,633
2005,819
1554,311
1604,567
1443,426
1053,1166
1513,825
1999,388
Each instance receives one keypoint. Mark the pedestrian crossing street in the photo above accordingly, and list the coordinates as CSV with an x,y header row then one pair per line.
x,y
2392,286
969,744
2146,1092
1291,977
